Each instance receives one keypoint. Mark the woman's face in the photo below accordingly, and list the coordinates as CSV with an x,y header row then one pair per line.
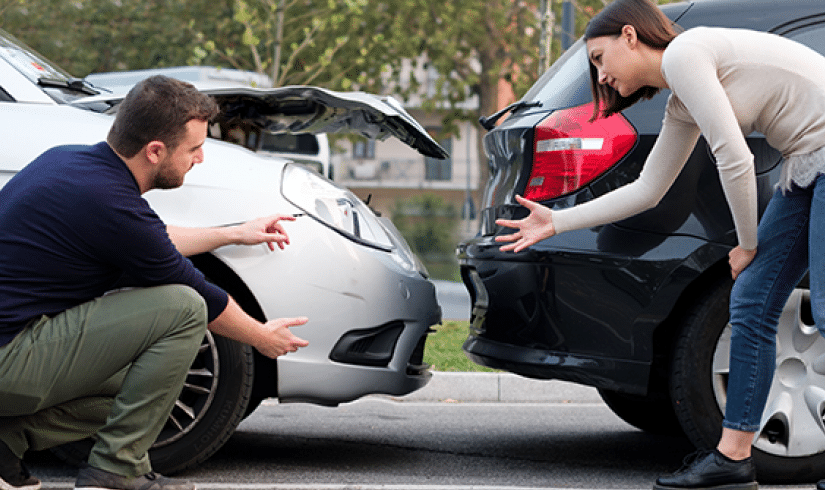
x,y
615,59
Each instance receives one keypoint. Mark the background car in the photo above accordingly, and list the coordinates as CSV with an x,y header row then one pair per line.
x,y
368,298
312,150
638,308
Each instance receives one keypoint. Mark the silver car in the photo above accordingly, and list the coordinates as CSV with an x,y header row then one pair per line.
x,y
367,296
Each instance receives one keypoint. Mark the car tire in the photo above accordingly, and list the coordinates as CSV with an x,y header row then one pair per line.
x,y
790,446
691,384
211,405
651,413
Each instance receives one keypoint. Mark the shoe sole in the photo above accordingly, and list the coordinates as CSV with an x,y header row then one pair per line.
x,y
8,486
732,486
88,488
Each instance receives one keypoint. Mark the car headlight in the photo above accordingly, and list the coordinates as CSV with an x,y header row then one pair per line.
x,y
334,206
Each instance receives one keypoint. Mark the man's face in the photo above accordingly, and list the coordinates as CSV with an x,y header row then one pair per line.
x,y
180,160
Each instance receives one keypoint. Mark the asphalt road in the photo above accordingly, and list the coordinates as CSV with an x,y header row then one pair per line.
x,y
437,439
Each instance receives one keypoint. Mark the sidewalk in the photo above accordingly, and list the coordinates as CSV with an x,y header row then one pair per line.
x,y
499,387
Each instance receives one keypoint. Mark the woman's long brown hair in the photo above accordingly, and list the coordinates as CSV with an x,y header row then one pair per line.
x,y
653,28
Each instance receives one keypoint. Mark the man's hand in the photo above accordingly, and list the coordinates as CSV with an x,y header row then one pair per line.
x,y
278,339
739,259
537,226
263,230
272,338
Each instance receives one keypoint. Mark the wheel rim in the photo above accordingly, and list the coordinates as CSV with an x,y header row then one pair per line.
x,y
792,424
197,394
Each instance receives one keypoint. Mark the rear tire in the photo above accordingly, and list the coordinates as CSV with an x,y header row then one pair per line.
x,y
651,413
691,384
790,446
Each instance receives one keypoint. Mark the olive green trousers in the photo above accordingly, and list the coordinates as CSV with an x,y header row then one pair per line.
x,y
110,369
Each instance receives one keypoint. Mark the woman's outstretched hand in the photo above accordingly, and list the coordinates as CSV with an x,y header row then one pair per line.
x,y
537,226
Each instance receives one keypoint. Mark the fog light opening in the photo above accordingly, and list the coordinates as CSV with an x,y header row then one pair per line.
x,y
368,347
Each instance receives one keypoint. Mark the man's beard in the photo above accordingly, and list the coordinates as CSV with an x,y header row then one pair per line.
x,y
166,178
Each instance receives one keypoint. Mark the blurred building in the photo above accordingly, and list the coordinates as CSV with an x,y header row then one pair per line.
x,y
389,171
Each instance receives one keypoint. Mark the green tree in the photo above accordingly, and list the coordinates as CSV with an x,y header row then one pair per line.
x,y
464,46
296,41
85,36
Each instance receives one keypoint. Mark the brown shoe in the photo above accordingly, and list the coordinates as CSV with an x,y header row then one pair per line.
x,y
91,478
13,473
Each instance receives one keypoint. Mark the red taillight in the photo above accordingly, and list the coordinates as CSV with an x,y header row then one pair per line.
x,y
570,152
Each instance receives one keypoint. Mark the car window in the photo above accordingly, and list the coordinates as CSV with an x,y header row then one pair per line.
x,y
811,36
26,61
566,83
304,144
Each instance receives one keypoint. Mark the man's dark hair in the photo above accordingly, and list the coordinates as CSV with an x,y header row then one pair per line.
x,y
157,109
653,28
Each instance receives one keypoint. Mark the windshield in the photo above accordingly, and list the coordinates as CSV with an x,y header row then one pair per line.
x,y
566,83
55,82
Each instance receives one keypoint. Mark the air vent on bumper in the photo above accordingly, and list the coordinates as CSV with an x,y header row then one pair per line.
x,y
368,347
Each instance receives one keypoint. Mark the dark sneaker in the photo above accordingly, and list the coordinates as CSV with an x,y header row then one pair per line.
x,y
90,478
711,470
13,474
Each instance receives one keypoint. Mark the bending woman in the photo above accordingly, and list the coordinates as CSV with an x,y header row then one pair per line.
x,y
725,83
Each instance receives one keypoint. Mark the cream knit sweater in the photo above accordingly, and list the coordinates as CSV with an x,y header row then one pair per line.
x,y
726,83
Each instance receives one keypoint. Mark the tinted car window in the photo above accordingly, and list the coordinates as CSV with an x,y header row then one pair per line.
x,y
305,144
566,83
813,37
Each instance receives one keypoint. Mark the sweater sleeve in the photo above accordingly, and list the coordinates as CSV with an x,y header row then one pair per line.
x,y
666,159
134,239
691,72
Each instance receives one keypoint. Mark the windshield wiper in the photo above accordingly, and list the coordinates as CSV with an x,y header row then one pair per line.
x,y
489,122
76,84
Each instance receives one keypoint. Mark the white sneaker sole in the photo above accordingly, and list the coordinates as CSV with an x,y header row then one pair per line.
x,y
7,486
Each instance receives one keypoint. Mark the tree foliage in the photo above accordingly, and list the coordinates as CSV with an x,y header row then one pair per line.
x,y
454,50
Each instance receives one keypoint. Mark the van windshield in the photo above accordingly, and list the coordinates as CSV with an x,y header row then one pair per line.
x,y
566,83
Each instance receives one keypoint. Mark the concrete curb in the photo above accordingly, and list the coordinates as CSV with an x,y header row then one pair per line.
x,y
490,387
500,387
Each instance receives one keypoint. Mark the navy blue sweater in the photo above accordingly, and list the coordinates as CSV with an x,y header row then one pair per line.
x,y
73,226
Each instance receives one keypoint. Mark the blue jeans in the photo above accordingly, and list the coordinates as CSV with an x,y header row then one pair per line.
x,y
791,233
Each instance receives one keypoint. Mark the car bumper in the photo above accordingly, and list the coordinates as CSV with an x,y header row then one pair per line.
x,y
569,309
601,372
369,315
383,359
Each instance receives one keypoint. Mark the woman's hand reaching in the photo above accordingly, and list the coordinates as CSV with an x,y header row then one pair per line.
x,y
537,226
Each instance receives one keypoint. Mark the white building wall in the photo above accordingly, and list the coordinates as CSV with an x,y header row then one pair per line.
x,y
396,165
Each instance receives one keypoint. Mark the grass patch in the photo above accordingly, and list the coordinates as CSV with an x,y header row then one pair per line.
x,y
443,349
446,270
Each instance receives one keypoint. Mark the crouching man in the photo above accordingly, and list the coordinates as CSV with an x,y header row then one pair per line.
x,y
77,360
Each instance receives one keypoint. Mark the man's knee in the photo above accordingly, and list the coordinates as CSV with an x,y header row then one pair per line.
x,y
187,303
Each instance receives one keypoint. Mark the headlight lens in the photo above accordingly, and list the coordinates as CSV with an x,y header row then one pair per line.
x,y
334,206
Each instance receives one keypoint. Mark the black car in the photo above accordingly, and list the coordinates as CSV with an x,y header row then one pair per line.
x,y
638,308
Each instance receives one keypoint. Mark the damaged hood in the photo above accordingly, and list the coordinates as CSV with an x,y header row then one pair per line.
x,y
305,109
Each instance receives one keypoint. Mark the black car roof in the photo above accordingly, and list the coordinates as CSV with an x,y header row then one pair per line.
x,y
766,15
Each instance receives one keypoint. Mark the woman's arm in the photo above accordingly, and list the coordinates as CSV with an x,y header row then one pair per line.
x,y
664,163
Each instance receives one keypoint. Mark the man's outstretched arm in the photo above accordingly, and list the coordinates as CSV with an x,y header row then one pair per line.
x,y
192,241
